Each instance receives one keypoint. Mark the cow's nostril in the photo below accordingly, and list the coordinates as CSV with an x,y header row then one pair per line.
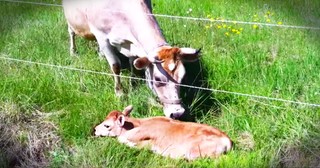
x,y
171,115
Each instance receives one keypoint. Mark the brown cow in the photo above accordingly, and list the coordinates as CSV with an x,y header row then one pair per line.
x,y
129,27
165,136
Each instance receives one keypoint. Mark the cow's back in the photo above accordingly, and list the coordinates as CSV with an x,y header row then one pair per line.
x,y
185,139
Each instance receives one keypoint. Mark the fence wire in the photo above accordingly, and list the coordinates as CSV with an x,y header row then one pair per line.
x,y
9,58
187,17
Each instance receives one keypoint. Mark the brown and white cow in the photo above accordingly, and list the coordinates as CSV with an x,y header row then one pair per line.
x,y
129,27
165,136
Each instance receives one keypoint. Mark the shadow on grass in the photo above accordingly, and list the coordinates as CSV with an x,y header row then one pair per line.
x,y
305,12
198,101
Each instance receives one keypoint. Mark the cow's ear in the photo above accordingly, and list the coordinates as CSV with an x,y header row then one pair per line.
x,y
126,111
141,63
189,54
121,120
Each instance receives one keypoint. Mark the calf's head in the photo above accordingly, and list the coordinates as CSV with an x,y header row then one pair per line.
x,y
164,73
114,123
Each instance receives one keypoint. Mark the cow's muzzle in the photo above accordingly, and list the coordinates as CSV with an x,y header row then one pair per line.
x,y
174,111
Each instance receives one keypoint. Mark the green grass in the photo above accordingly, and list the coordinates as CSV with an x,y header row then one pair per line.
x,y
267,61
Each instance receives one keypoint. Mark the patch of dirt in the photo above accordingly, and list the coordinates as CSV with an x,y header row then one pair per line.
x,y
296,157
25,137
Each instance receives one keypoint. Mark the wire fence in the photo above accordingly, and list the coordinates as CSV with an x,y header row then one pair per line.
x,y
187,17
10,58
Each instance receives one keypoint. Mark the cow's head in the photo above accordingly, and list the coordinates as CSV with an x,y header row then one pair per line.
x,y
113,124
164,70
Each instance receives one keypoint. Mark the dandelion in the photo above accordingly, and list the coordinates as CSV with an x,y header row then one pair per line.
x,y
238,32
241,29
226,33
219,26
207,26
208,16
189,11
279,23
224,25
268,20
268,12
233,30
229,27
255,26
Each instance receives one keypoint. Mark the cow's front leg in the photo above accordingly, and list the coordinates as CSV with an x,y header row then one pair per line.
x,y
72,34
114,64
108,51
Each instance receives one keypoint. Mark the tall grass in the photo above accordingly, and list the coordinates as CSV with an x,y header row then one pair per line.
x,y
260,60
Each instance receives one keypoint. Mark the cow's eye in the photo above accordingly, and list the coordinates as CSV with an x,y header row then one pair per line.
x,y
107,126
159,81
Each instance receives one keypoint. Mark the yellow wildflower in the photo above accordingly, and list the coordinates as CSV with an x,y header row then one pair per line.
x,y
241,29
207,26
233,30
208,16
255,26
226,33
219,26
279,23
224,25
268,20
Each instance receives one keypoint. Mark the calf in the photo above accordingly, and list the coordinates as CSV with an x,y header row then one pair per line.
x,y
165,136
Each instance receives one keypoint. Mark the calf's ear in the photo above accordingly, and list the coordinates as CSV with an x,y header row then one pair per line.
x,y
121,120
141,63
126,111
189,54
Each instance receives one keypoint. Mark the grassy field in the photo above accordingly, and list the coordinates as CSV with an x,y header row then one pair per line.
x,y
47,114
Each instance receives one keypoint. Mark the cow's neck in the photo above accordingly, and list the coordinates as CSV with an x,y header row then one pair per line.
x,y
146,29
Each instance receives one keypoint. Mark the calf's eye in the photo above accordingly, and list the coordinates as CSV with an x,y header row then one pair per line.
x,y
107,126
